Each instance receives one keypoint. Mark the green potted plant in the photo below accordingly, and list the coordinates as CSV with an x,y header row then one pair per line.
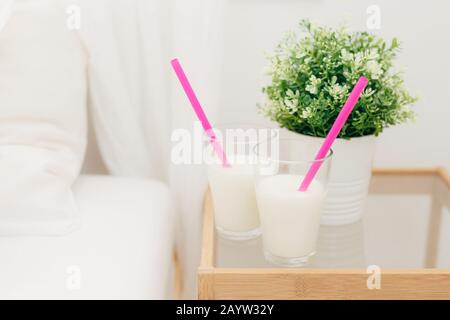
x,y
311,77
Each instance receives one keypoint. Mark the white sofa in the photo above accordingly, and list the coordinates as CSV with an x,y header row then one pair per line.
x,y
123,251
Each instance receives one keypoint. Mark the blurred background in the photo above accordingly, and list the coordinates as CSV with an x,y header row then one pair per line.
x,y
247,30
252,27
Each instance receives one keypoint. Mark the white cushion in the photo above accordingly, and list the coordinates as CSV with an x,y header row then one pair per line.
x,y
123,250
42,119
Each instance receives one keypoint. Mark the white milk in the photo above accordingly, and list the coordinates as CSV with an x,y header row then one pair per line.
x,y
289,218
233,192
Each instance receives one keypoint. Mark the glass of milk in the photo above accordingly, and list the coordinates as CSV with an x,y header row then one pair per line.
x,y
290,219
233,188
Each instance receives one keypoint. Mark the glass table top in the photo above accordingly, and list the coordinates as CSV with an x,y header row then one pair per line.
x,y
406,225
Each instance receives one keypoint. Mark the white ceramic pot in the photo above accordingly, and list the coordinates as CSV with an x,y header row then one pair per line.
x,y
351,171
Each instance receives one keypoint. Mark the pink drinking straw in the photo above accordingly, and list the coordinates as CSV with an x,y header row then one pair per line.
x,y
334,132
217,147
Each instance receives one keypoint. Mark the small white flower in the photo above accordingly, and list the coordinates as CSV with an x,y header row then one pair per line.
x,y
372,54
307,113
367,92
358,59
347,75
390,82
314,80
346,56
313,86
337,91
292,104
291,100
374,69
311,89
290,93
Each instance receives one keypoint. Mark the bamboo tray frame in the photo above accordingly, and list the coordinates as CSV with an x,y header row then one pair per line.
x,y
285,283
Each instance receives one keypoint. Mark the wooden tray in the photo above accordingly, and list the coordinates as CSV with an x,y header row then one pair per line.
x,y
405,233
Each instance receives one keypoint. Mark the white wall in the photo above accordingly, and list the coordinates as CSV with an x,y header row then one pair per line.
x,y
253,27
93,162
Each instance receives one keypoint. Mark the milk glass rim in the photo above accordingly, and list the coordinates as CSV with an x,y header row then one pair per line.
x,y
325,159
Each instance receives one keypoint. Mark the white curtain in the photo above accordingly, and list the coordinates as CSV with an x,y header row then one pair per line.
x,y
136,101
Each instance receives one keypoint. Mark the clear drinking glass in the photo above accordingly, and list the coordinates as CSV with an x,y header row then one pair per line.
x,y
289,218
232,188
